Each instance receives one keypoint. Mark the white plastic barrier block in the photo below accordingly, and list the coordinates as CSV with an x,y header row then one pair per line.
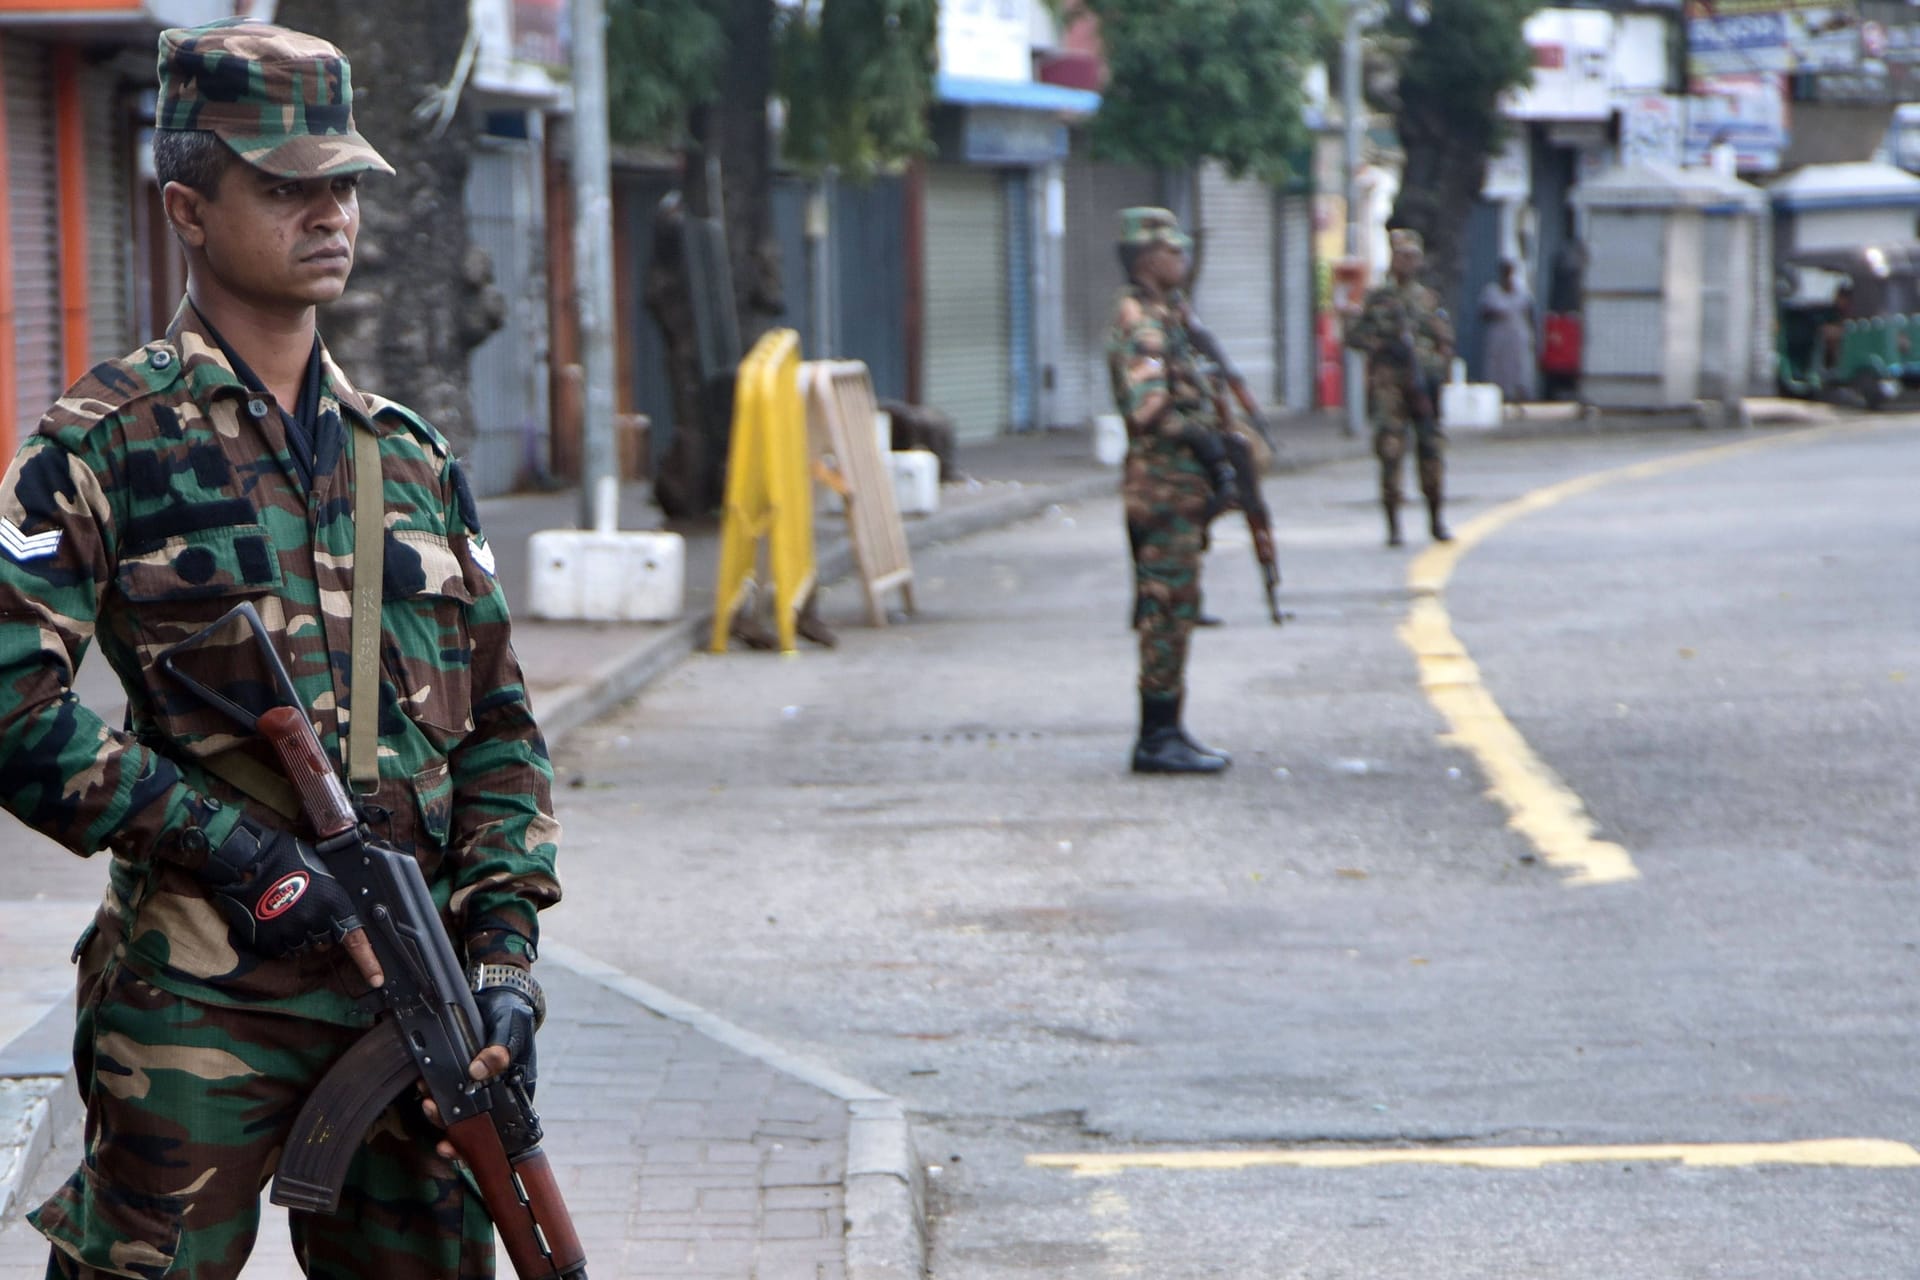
x,y
916,481
588,576
1470,405
1109,439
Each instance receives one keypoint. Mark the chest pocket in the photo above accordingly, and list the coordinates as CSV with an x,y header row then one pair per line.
x,y
206,564
426,649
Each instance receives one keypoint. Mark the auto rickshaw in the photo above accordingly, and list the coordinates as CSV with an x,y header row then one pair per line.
x,y
1849,322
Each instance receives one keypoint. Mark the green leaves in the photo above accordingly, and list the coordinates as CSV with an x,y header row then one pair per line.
x,y
1457,67
663,56
1195,79
855,76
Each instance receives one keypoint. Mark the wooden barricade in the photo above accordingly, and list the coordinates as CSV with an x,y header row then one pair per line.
x,y
847,456
769,491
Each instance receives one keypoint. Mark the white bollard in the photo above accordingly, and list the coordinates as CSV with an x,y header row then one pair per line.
x,y
1109,439
596,575
916,481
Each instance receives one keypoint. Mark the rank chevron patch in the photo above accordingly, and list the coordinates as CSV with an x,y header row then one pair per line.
x,y
21,547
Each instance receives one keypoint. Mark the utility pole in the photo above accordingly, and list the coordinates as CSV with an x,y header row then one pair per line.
x,y
593,265
1352,115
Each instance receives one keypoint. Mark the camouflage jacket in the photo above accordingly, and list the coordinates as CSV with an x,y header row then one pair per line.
x,y
1392,312
157,494
1149,352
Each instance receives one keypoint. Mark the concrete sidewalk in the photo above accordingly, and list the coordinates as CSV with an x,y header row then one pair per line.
x,y
686,1147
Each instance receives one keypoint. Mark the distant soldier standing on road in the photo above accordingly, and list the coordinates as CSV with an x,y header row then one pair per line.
x,y
1177,478
1408,341
231,461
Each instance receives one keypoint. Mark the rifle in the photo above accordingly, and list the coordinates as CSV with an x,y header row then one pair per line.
x,y
430,1027
1419,388
1247,495
1207,343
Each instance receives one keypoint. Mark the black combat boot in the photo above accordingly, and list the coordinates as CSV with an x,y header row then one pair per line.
x,y
1180,726
1162,748
1433,485
1392,508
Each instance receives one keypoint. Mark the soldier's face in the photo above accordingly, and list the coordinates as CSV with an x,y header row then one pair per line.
x,y
1167,267
1406,263
276,243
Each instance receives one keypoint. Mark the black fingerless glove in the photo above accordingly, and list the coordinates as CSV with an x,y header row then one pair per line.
x,y
508,1018
276,893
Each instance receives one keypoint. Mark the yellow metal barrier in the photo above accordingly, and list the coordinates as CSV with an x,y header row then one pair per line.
x,y
769,491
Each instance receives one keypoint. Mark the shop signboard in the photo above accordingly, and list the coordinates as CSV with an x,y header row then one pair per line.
x,y
986,39
1653,129
1748,111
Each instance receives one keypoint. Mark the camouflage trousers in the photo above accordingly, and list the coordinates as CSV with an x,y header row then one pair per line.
x,y
1166,523
1390,446
188,1106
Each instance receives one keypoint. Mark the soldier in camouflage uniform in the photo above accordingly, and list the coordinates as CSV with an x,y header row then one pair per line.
x,y
212,466
1177,478
1408,341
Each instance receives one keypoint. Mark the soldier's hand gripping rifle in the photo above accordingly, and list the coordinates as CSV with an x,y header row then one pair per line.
x,y
1247,495
429,1030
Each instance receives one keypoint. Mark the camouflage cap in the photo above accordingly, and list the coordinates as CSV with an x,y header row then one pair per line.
x,y
283,100
1145,226
1406,240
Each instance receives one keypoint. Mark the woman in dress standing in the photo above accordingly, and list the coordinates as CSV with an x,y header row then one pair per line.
x,y
1507,309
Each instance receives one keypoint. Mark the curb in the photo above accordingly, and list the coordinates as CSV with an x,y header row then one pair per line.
x,y
885,1186
630,673
38,1098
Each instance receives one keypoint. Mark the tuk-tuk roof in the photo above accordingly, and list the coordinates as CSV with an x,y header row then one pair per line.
x,y
1862,261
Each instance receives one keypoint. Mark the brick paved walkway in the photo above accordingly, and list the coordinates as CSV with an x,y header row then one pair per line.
x,y
679,1155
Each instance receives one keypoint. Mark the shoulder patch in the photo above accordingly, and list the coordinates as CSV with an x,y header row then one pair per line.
x,y
111,386
391,411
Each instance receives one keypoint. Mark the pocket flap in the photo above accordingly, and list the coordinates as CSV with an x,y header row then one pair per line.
x,y
229,560
423,563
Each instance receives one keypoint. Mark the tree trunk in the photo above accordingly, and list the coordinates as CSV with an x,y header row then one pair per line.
x,y
1443,178
421,298
732,132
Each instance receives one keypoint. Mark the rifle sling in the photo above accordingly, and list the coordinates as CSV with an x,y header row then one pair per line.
x,y
265,784
369,578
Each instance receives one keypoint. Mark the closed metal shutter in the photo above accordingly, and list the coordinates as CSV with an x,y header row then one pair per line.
x,y
507,374
1235,294
109,219
1022,404
34,224
1096,193
967,325
1296,303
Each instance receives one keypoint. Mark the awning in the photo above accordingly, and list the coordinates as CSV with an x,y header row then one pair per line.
x,y
1020,95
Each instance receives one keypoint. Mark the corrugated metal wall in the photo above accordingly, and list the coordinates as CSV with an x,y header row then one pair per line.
x,y
1095,195
967,322
507,374
1023,388
109,218
1294,298
32,193
1235,293
869,266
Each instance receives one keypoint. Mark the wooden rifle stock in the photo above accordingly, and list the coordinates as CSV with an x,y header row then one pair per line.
x,y
524,1201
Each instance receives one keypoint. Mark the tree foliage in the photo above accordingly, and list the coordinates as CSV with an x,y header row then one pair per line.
x,y
1453,71
1204,79
854,77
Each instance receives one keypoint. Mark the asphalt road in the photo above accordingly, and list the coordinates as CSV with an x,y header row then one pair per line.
x,y
919,858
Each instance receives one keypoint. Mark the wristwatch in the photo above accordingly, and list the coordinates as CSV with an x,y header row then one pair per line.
x,y
482,976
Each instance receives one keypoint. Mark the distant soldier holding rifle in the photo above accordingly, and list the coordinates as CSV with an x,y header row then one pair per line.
x,y
1177,478
246,947
1408,341
1227,380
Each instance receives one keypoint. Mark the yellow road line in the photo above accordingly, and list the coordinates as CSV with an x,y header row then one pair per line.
x,y
1540,806
1849,1153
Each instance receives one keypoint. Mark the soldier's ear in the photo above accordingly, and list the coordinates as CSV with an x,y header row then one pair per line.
x,y
186,213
